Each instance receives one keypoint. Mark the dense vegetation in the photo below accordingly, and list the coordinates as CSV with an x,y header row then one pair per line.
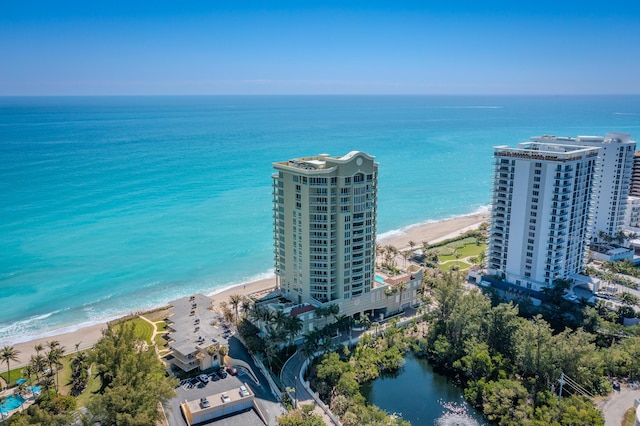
x,y
303,416
338,375
508,365
133,383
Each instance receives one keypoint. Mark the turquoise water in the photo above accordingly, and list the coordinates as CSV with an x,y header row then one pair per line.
x,y
116,204
379,279
11,403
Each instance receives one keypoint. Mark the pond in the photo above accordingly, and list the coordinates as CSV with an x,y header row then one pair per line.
x,y
421,396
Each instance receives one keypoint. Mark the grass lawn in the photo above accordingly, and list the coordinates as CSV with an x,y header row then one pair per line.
x,y
471,250
159,340
447,257
462,252
629,417
142,329
15,375
447,266
92,388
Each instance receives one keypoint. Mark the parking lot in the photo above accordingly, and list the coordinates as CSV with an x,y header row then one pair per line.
x,y
195,388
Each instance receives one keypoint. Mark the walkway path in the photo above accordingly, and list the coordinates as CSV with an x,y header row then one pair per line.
x,y
615,407
154,334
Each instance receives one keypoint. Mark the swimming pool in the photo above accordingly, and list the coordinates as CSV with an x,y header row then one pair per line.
x,y
11,403
379,278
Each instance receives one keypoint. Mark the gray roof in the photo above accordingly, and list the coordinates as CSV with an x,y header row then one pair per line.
x,y
192,324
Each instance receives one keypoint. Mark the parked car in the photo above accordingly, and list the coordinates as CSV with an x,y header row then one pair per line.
x,y
232,370
222,373
244,391
203,378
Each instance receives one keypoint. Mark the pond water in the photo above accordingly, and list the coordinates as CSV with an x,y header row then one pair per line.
x,y
421,396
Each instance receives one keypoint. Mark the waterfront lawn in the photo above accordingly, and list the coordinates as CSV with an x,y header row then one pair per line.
x,y
15,375
142,329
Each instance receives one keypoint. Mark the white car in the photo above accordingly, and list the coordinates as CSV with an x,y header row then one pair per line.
x,y
570,297
203,378
244,391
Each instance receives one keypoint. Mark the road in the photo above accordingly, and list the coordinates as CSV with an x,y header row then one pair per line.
x,y
615,407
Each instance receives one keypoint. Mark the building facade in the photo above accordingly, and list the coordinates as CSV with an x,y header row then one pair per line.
x,y
541,208
324,222
612,179
634,189
632,217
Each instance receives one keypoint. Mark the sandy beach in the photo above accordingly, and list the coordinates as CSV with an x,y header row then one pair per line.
x,y
427,232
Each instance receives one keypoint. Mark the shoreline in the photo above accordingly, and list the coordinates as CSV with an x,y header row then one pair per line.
x,y
428,231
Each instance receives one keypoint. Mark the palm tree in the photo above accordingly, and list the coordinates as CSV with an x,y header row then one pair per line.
x,y
365,321
8,354
235,300
39,348
293,326
280,319
628,298
402,286
223,351
53,358
199,357
246,307
37,363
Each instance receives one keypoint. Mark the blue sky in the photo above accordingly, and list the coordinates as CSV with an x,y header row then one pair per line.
x,y
332,47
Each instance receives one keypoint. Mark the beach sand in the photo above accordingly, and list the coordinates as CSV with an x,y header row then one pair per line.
x,y
426,232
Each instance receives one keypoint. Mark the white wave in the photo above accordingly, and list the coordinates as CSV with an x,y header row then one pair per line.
x,y
259,277
626,113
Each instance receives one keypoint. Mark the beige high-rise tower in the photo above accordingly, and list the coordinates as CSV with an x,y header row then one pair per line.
x,y
324,223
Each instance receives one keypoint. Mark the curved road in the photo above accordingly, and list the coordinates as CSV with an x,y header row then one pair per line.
x,y
615,407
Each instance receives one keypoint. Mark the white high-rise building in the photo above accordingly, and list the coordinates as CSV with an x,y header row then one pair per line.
x,y
324,216
612,178
541,206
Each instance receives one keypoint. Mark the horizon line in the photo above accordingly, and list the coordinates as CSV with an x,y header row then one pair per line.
x,y
316,94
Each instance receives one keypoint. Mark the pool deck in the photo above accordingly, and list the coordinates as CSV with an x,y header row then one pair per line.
x,y
30,399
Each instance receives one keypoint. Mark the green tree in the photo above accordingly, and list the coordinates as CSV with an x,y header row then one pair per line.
x,y
235,300
134,380
8,354
303,416
505,402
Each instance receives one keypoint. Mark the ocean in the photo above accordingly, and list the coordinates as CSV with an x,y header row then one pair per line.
x,y
118,204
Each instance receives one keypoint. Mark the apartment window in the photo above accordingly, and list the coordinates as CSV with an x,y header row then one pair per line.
x,y
536,179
